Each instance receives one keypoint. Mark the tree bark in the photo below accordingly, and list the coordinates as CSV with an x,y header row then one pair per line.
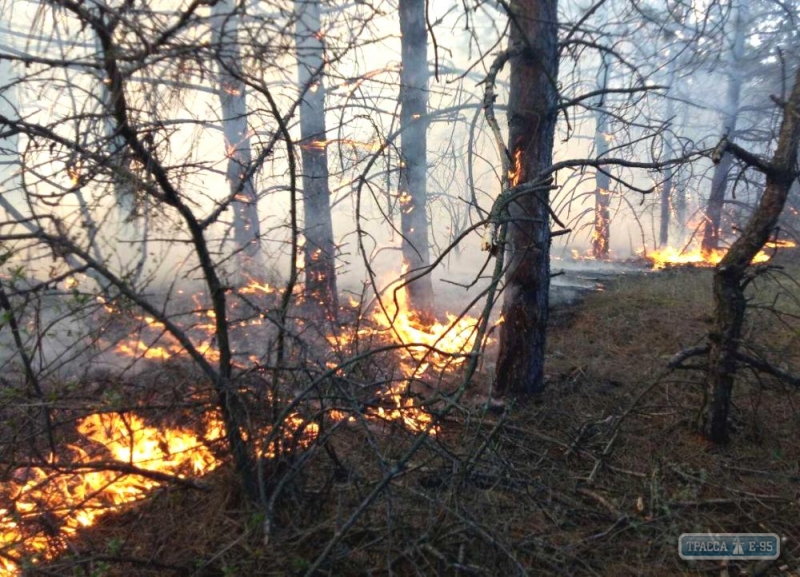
x,y
233,103
532,118
719,182
319,250
413,152
601,235
9,108
730,273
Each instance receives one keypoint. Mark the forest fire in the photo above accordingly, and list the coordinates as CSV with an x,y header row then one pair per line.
x,y
118,458
671,256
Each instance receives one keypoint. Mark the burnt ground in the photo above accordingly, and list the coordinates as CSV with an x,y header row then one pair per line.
x,y
597,476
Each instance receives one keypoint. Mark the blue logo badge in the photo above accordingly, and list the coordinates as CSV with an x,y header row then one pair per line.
x,y
728,546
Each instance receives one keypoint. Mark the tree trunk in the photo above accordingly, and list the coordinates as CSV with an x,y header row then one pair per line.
x,y
9,108
730,273
601,235
319,251
413,151
532,118
233,103
719,182
666,190
680,196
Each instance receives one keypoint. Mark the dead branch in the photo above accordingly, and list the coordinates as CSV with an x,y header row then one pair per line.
x,y
676,362
770,369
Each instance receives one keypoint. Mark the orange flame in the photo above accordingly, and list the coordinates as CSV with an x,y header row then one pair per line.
x,y
515,172
69,501
668,256
443,345
371,146
76,499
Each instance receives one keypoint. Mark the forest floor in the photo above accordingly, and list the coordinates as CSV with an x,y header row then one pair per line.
x,y
597,476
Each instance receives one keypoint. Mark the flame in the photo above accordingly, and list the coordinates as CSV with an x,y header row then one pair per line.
x,y
405,199
785,243
74,173
404,409
371,146
47,508
442,345
254,287
668,256
44,506
588,255
515,172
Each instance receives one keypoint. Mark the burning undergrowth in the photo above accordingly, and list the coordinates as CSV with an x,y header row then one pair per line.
x,y
370,370
690,254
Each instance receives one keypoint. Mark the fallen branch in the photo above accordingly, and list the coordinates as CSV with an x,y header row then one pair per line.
x,y
676,362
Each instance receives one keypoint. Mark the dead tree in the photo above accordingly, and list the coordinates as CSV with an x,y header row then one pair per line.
x,y
319,250
233,104
733,273
413,151
601,235
532,115
730,113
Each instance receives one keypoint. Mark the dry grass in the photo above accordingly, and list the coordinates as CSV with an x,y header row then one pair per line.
x,y
599,476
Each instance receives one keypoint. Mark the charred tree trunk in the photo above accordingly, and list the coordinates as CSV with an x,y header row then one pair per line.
x,y
532,118
601,235
413,150
233,104
730,276
719,182
319,251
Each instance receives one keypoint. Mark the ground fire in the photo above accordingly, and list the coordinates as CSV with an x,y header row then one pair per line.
x,y
670,256
118,458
